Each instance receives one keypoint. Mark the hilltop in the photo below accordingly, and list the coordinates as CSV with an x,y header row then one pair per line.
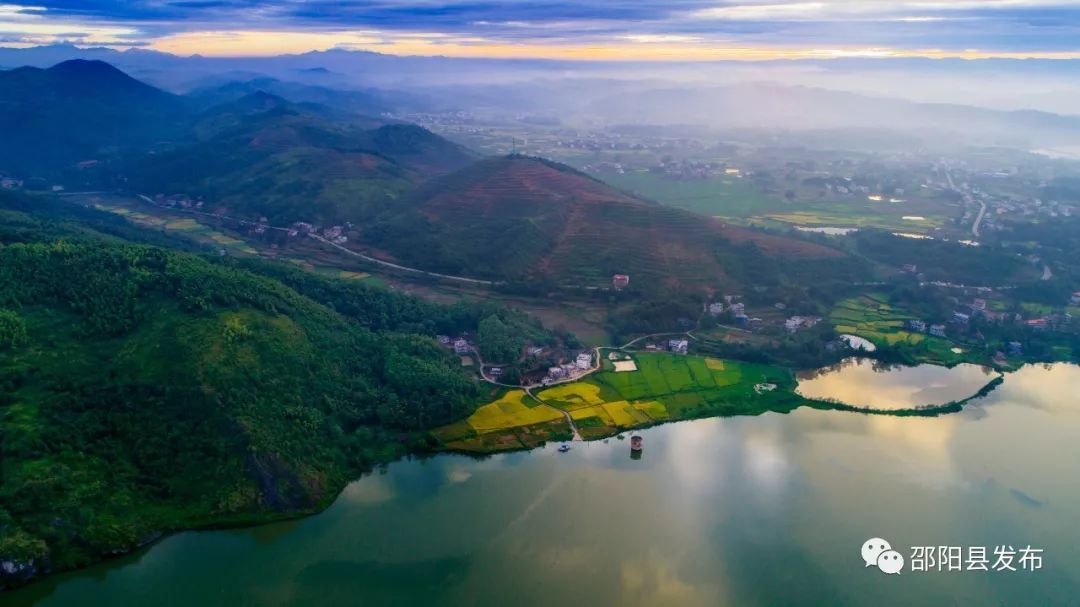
x,y
77,110
518,217
261,155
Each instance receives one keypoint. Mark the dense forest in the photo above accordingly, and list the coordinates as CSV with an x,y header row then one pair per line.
x,y
144,389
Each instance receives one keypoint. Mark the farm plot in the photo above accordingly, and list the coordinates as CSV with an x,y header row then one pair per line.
x,y
872,317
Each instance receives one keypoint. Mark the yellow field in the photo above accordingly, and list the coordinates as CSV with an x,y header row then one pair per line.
x,y
715,364
183,225
225,240
583,394
510,411
346,275
652,408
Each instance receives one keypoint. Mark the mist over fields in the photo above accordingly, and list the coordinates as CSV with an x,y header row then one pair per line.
x,y
1013,103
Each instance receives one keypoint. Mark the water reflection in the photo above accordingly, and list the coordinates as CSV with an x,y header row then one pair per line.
x,y
868,383
766,510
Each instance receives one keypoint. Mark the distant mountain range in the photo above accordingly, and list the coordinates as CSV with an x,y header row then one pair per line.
x,y
413,195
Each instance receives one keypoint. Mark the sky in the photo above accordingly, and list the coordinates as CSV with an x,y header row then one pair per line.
x,y
675,30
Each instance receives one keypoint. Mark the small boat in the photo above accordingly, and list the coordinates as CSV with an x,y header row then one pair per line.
x,y
563,448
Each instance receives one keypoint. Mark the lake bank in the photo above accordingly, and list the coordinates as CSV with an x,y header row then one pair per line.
x,y
714,512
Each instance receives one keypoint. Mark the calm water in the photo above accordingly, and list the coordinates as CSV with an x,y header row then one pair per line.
x,y
863,382
768,510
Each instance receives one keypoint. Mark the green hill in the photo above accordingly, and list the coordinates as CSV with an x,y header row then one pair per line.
x,y
525,218
79,110
263,156
144,390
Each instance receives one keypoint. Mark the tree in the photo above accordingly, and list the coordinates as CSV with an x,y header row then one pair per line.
x,y
12,330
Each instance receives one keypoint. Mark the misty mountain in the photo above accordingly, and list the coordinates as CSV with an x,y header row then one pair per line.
x,y
261,155
370,102
79,110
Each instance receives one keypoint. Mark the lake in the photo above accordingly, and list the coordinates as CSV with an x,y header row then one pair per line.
x,y
767,510
866,383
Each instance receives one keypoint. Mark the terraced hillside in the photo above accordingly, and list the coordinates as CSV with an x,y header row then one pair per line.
x,y
517,217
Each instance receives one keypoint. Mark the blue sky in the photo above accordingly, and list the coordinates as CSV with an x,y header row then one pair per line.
x,y
596,29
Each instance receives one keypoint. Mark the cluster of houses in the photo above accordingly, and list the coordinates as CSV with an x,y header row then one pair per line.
x,y
920,326
798,323
581,363
334,234
460,345
10,183
182,201
676,346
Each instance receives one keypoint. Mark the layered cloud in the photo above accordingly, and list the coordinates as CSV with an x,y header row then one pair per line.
x,y
603,29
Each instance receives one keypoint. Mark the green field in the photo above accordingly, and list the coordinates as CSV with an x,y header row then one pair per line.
x,y
665,387
861,214
724,196
871,316
186,226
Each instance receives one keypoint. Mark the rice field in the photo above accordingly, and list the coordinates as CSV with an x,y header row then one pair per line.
x,y
872,317
664,387
515,408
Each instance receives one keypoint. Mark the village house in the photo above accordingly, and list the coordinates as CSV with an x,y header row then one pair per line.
x,y
556,372
584,360
910,268
978,304
10,183
534,351
937,330
795,323
461,346
960,318
716,309
678,346
1015,348
1037,324
918,326
1075,299
620,281
738,309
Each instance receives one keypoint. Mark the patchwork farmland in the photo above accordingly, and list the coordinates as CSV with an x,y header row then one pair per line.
x,y
665,387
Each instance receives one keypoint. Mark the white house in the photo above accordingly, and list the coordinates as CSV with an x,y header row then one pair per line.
x,y
584,360
461,346
678,346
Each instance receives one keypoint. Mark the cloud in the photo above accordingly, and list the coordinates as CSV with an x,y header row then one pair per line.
x,y
691,28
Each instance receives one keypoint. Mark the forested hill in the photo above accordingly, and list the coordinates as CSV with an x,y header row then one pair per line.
x,y
144,390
